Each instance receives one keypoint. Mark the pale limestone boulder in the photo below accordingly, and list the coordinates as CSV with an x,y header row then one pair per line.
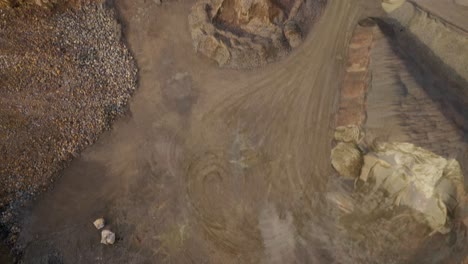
x,y
417,178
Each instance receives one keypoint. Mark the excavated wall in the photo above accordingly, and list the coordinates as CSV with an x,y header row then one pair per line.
x,y
436,45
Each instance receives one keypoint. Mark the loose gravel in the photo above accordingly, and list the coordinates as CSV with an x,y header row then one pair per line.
x,y
65,75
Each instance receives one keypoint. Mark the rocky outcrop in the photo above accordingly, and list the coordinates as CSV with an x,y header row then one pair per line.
x,y
247,34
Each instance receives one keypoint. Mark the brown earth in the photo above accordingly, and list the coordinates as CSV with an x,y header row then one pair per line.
x,y
215,165
221,166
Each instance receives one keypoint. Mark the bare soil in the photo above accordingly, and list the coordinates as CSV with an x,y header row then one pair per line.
x,y
221,166
214,165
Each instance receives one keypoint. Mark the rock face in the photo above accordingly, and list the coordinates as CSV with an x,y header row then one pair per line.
x,y
250,33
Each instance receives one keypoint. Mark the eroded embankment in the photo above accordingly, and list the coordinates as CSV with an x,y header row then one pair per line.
x,y
439,47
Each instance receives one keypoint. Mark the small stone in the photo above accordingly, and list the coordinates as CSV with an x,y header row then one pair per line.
x,y
158,2
107,237
99,223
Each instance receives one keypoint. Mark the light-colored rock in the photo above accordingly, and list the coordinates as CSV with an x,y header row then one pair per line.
x,y
390,5
107,237
293,33
347,159
99,223
416,178
349,134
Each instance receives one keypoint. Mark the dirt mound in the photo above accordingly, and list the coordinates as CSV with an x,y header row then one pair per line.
x,y
64,77
250,33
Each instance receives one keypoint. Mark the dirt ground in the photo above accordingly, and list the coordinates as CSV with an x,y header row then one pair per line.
x,y
216,165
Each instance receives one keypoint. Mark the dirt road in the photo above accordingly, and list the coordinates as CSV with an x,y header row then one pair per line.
x,y
211,166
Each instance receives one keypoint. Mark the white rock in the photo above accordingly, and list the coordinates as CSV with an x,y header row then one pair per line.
x,y
391,5
99,223
107,237
418,179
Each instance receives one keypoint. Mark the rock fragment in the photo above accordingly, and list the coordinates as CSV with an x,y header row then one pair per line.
x,y
351,133
107,237
347,159
99,223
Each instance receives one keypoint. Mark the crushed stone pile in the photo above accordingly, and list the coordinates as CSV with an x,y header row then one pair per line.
x,y
65,76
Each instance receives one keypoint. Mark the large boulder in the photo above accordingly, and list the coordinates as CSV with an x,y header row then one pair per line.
x,y
347,159
416,178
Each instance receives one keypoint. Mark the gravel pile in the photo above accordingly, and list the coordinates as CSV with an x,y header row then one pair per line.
x,y
64,77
